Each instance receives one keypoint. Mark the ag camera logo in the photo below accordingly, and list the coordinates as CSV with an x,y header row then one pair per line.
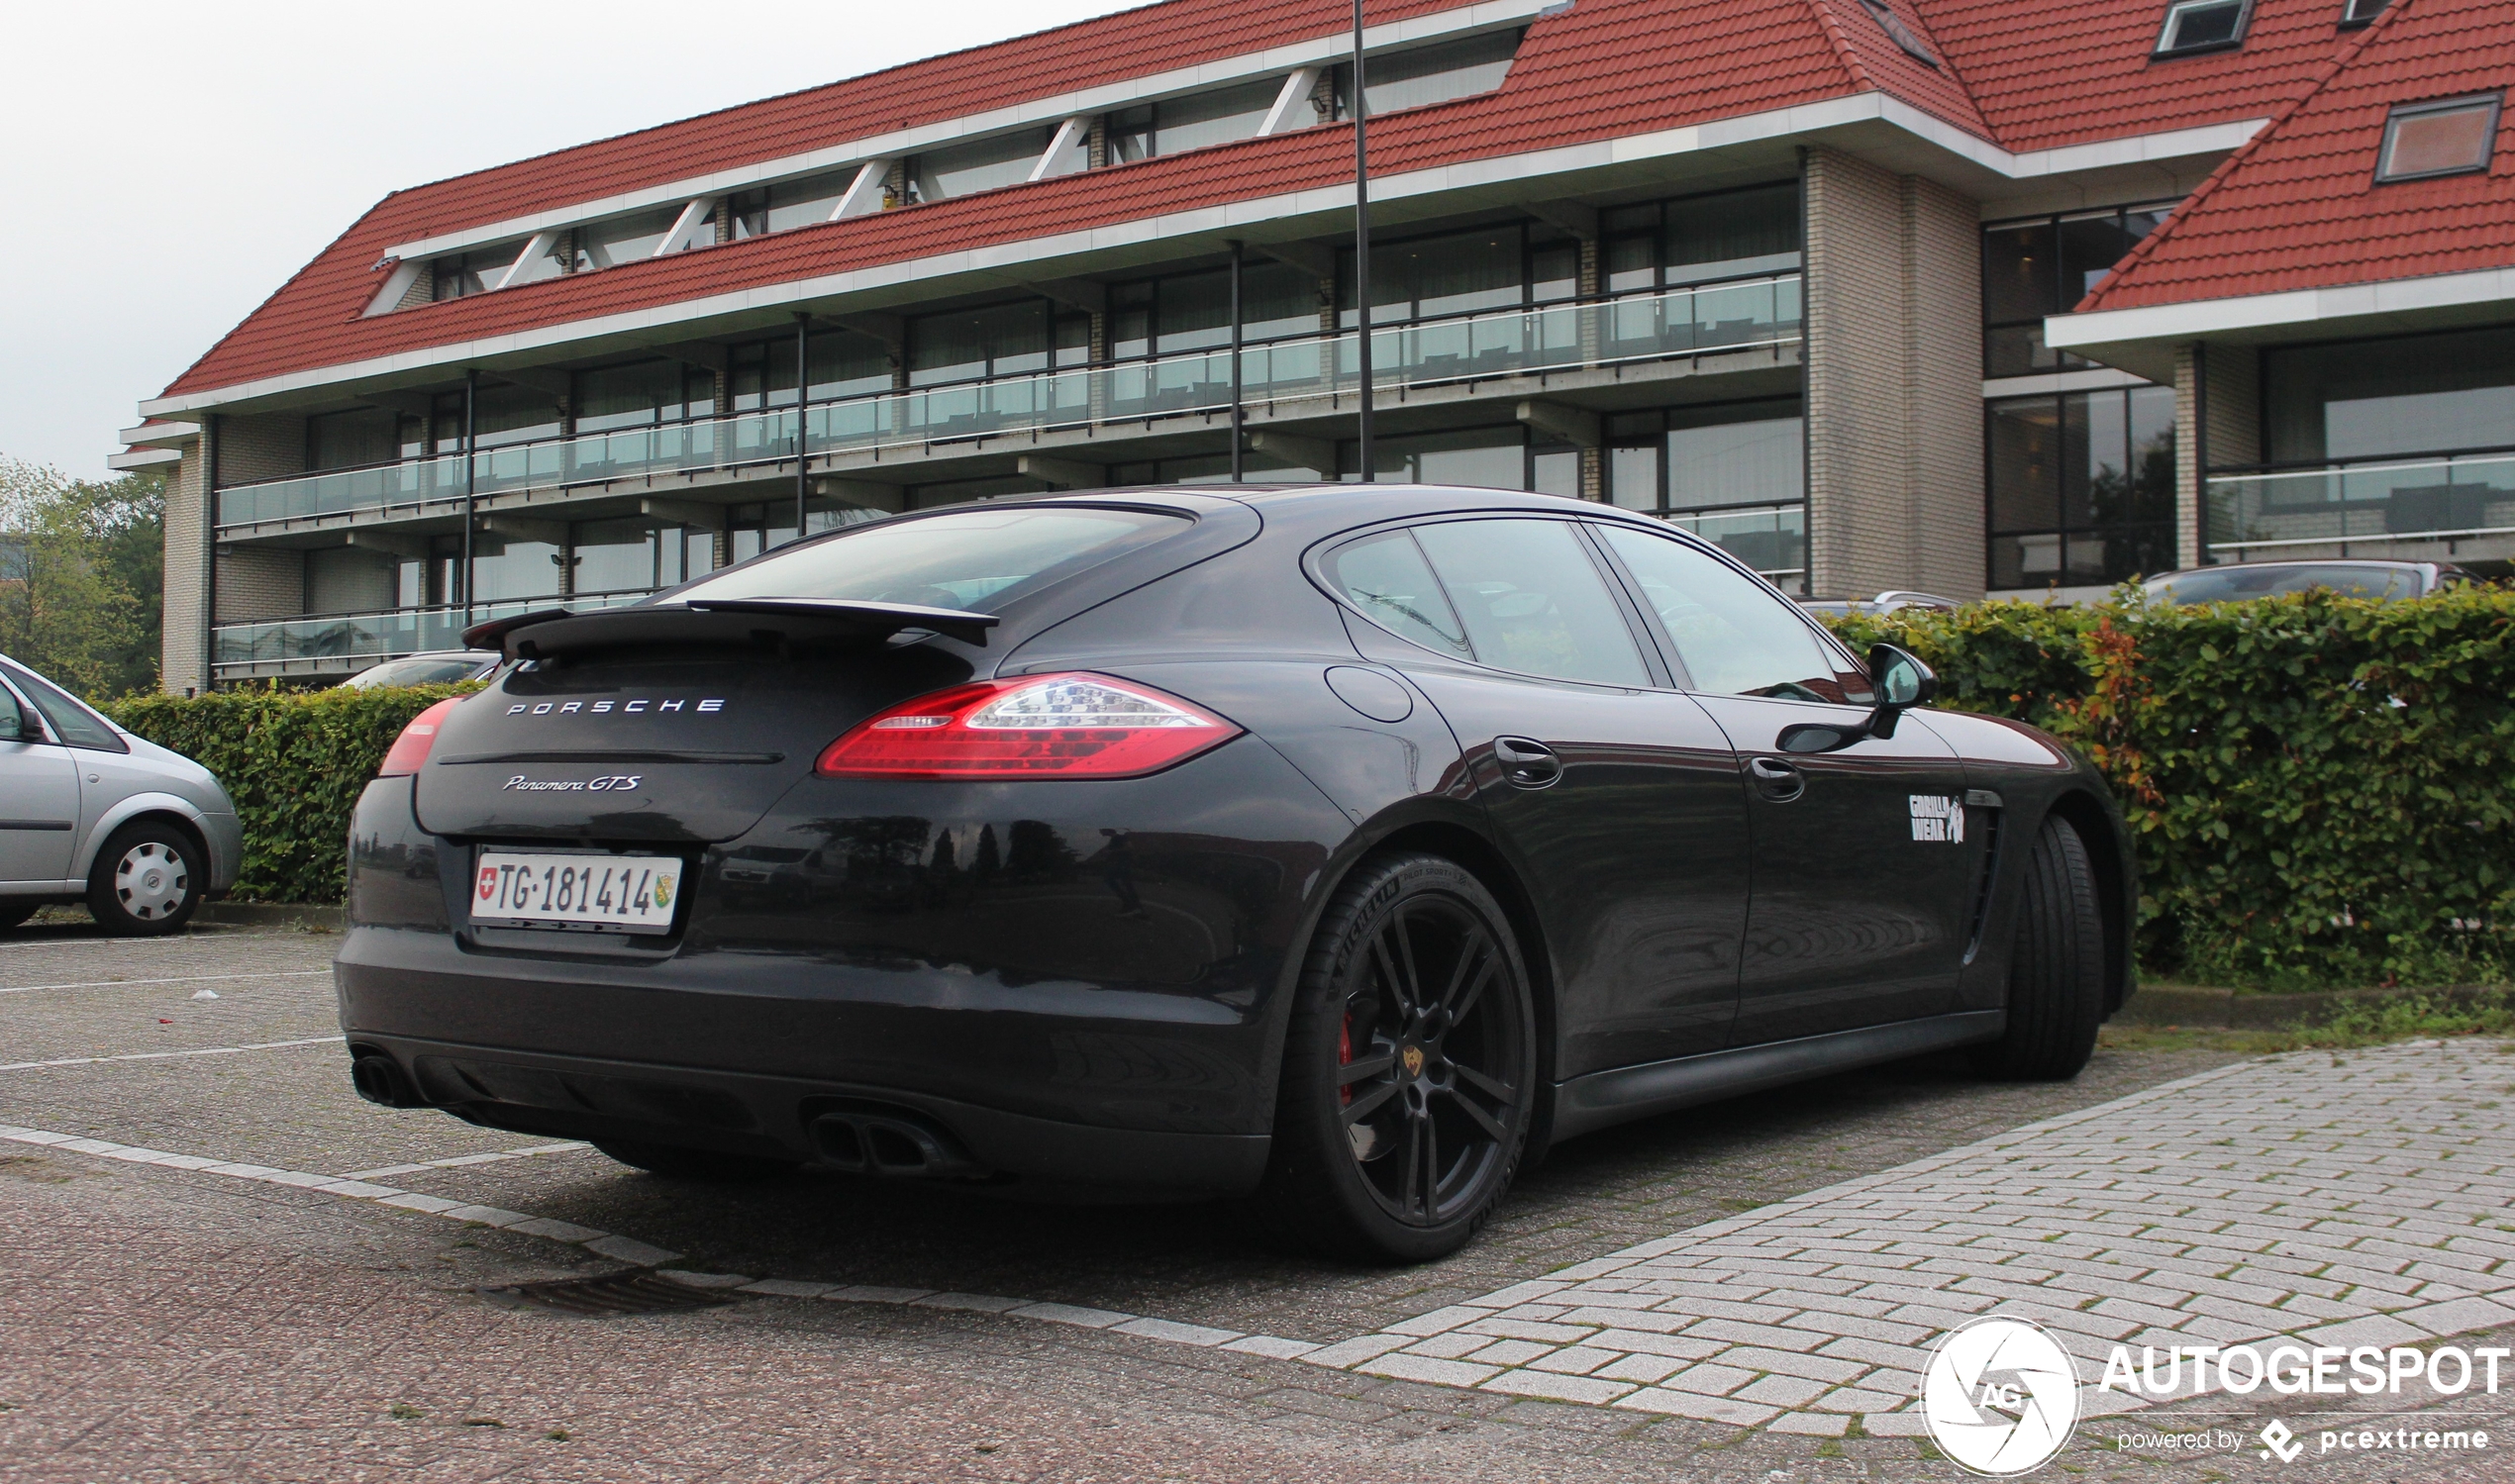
x,y
2000,1396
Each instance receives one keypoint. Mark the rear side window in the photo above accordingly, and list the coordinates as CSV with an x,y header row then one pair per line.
x,y
66,720
2237,582
1737,637
1387,577
977,560
1531,600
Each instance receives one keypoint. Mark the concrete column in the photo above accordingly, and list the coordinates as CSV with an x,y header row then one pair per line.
x,y
2191,498
1893,383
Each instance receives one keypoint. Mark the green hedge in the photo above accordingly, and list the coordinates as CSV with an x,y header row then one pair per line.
x,y
294,761
2319,786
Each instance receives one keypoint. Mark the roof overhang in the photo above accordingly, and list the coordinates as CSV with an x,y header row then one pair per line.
x,y
1872,125
142,458
2143,339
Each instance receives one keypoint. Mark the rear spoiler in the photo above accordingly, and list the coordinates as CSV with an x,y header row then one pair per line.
x,y
555,631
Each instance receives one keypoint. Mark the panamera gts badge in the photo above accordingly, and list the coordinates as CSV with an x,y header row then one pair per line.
x,y
610,784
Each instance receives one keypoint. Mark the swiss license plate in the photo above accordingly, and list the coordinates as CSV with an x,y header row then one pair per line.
x,y
621,893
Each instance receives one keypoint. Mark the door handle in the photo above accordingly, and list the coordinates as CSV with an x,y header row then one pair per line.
x,y
1777,780
1526,763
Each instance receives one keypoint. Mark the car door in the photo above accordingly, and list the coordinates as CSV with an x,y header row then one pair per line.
x,y
39,796
1618,795
1864,869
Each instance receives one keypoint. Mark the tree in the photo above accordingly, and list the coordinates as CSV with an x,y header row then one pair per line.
x,y
83,568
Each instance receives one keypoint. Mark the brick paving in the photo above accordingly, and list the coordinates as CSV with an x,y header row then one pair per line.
x,y
2364,1199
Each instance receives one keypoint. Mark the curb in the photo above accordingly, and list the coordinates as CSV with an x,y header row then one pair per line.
x,y
2235,1010
328,916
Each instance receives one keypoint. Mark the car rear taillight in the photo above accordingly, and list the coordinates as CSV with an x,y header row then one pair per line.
x,y
1071,725
409,749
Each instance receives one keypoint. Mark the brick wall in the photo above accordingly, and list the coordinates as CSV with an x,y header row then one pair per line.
x,y
184,639
260,446
1893,383
1943,389
261,583
2223,385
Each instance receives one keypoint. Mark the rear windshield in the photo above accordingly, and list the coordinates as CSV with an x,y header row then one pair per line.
x,y
2235,583
977,560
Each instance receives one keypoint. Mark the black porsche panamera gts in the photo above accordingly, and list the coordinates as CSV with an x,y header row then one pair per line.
x,y
1340,845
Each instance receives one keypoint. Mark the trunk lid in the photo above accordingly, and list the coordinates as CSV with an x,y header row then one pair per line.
x,y
667,742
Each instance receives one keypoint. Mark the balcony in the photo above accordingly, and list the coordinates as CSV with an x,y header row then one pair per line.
x,y
2394,502
338,643
1713,319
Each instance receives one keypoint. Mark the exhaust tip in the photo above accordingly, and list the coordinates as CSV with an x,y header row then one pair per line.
x,y
379,1078
893,1143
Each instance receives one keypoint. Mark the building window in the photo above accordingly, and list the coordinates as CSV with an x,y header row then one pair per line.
x,y
1429,74
2081,487
2203,25
1741,233
1192,311
1459,272
1019,338
2044,266
980,165
636,556
1734,474
2356,13
1898,33
642,394
2428,394
2454,136
1218,117
348,440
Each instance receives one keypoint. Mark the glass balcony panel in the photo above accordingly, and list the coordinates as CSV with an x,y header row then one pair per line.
x,y
1678,322
2406,500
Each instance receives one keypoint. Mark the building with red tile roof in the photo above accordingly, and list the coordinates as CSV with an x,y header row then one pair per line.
x,y
1776,269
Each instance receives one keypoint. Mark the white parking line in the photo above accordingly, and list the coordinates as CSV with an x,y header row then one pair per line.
x,y
18,989
564,1147
262,1045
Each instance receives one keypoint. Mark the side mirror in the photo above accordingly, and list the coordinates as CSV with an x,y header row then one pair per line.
x,y
12,720
1901,681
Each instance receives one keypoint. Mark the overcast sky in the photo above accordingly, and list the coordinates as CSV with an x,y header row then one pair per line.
x,y
171,165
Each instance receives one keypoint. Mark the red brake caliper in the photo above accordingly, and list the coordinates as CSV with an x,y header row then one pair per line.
x,y
1344,1056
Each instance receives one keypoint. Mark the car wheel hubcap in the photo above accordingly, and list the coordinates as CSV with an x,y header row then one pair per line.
x,y
151,882
1427,1085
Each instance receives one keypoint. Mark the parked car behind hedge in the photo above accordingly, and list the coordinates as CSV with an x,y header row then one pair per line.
x,y
92,813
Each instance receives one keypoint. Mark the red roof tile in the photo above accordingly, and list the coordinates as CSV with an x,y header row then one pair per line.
x,y
2027,76
2299,207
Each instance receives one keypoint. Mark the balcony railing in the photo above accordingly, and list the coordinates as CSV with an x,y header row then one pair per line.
x,y
1709,319
336,641
2369,504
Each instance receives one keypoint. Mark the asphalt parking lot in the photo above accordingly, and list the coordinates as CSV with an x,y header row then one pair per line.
x,y
1739,1292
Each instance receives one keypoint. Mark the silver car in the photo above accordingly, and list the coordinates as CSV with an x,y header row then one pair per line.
x,y
89,813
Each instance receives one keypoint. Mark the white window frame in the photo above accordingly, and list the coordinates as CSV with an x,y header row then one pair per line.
x,y
2178,9
2495,103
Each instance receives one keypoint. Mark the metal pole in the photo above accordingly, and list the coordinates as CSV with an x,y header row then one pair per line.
x,y
1362,250
1237,459
803,376
471,482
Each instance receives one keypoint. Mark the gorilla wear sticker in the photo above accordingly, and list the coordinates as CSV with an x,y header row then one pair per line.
x,y
1938,819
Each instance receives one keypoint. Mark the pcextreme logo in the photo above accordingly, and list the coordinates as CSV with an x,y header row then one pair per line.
x,y
2000,1396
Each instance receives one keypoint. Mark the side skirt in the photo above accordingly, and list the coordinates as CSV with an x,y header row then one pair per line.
x,y
1597,1100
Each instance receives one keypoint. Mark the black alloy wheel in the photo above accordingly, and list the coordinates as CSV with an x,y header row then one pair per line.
x,y
1410,1072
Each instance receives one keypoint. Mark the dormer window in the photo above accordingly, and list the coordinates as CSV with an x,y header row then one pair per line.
x,y
2356,13
2203,25
2450,137
1898,33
